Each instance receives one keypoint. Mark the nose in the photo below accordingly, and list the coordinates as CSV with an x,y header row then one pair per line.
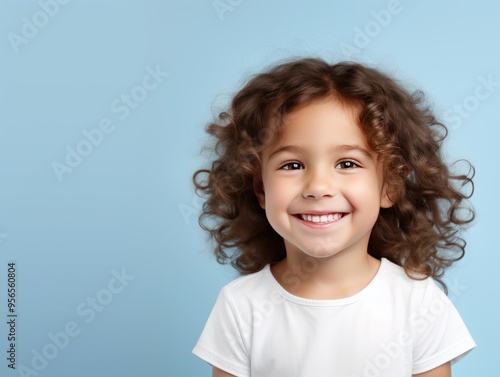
x,y
319,184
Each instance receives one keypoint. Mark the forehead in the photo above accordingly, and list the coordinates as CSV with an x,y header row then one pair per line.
x,y
322,122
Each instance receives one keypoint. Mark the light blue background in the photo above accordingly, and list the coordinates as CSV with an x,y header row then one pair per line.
x,y
130,205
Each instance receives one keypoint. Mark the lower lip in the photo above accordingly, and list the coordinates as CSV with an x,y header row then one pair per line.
x,y
310,224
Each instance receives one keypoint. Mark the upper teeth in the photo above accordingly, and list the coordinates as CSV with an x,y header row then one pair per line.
x,y
321,218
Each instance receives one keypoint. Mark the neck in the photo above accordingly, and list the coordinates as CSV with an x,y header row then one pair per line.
x,y
335,277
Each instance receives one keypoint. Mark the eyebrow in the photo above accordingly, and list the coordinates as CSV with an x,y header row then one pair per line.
x,y
286,148
355,148
339,148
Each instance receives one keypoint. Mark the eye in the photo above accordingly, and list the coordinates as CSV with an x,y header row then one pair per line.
x,y
347,164
292,166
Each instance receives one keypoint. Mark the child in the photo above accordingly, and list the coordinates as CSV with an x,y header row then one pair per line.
x,y
330,195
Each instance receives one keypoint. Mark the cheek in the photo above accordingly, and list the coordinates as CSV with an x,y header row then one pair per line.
x,y
275,199
365,192
278,196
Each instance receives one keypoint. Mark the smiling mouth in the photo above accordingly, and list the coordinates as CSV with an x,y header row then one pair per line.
x,y
321,219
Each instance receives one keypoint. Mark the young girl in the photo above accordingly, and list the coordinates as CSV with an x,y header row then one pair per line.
x,y
329,193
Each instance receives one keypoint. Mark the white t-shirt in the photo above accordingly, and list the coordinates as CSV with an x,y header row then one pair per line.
x,y
394,327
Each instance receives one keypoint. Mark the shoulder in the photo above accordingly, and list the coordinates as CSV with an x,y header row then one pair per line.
x,y
415,291
248,288
436,329
246,282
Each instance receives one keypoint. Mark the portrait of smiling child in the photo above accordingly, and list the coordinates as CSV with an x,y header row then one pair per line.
x,y
328,192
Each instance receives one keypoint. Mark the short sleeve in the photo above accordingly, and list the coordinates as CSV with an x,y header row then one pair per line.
x,y
221,343
440,333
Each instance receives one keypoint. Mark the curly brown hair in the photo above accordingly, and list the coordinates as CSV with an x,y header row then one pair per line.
x,y
420,232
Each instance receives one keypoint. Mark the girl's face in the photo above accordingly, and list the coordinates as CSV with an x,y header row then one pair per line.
x,y
322,186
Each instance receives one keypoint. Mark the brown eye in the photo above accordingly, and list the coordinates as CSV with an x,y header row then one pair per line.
x,y
347,164
292,166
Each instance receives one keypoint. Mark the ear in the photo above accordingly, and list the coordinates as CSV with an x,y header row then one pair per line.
x,y
258,188
385,197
